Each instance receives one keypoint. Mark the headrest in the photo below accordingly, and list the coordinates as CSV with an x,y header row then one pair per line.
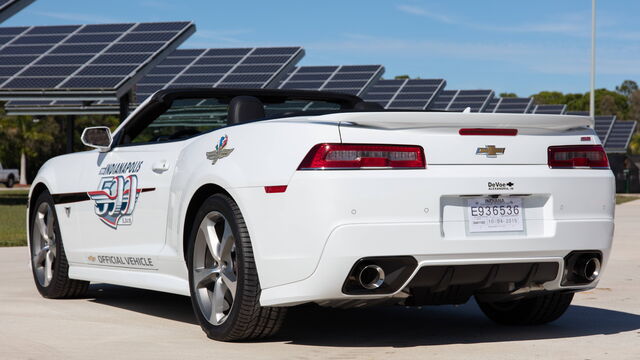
x,y
244,109
366,106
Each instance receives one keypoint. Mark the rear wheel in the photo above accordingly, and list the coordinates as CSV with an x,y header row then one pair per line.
x,y
48,260
223,279
529,311
10,181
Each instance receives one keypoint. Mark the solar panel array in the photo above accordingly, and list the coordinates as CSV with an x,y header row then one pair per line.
x,y
260,67
459,100
555,109
8,8
510,105
411,94
620,136
349,79
82,61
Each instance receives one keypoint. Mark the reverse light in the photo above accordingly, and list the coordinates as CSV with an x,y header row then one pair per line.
x,y
489,132
577,156
363,156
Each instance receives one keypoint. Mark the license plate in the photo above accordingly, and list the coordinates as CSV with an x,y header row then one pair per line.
x,y
495,214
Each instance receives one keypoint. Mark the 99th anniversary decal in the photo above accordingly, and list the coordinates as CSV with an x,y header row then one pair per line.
x,y
130,262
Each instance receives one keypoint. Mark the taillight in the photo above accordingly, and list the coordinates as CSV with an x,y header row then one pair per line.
x,y
358,156
577,156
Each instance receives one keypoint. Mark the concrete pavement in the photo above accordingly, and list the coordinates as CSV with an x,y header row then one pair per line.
x,y
118,322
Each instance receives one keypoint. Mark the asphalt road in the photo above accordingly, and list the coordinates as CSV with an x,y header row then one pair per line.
x,y
117,322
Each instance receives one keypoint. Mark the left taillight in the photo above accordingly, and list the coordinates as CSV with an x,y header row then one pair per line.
x,y
577,157
363,156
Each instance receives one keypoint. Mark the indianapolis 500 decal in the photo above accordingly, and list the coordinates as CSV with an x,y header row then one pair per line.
x,y
117,194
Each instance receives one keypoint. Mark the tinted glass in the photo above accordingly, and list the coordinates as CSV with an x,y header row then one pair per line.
x,y
185,118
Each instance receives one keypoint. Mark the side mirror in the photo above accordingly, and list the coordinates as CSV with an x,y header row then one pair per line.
x,y
98,137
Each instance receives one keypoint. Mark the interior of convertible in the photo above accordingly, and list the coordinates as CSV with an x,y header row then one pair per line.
x,y
177,115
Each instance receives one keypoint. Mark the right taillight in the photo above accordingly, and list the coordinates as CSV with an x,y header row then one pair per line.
x,y
577,157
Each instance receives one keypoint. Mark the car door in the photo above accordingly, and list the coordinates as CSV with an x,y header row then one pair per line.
x,y
124,221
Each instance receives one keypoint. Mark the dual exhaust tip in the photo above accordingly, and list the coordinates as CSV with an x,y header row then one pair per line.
x,y
588,268
582,268
371,277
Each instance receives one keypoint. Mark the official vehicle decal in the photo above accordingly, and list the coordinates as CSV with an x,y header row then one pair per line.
x,y
491,151
132,262
220,151
117,195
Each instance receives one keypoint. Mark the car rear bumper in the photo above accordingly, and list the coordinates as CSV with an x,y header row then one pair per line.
x,y
349,243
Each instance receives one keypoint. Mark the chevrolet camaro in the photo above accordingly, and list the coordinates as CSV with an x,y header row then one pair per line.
x,y
252,201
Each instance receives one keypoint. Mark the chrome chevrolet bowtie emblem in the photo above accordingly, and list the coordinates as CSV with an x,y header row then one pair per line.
x,y
220,150
490,151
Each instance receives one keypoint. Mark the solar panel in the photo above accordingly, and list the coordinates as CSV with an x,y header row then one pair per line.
x,y
413,94
511,105
8,8
492,105
603,125
82,62
232,67
459,100
188,68
557,109
350,79
620,136
579,113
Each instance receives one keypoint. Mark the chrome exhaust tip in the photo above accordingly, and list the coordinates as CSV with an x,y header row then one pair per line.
x,y
371,277
591,269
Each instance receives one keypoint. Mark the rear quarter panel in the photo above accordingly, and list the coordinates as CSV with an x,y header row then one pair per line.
x,y
264,153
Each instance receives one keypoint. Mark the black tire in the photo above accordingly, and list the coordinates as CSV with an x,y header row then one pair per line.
x,y
245,318
10,181
59,286
529,311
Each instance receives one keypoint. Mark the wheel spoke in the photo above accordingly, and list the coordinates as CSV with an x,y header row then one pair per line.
x,y
229,279
42,227
204,277
208,231
49,223
226,243
40,256
48,268
218,302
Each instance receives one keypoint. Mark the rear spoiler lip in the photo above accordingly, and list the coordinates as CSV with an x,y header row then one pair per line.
x,y
417,120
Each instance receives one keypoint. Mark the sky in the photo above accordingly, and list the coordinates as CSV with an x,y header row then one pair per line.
x,y
505,45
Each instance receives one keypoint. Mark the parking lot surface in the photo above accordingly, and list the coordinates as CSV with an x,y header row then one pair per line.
x,y
118,322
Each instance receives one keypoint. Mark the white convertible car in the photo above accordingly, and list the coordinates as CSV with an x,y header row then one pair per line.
x,y
250,201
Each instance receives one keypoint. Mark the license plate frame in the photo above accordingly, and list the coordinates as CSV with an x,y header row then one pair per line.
x,y
495,215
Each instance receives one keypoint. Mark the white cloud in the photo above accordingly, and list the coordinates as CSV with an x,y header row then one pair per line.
x,y
415,10
570,24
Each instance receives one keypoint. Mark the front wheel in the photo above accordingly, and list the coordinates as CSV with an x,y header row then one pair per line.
x,y
48,259
223,279
10,181
536,310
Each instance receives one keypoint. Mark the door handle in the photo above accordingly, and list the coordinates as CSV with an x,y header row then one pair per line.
x,y
160,166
